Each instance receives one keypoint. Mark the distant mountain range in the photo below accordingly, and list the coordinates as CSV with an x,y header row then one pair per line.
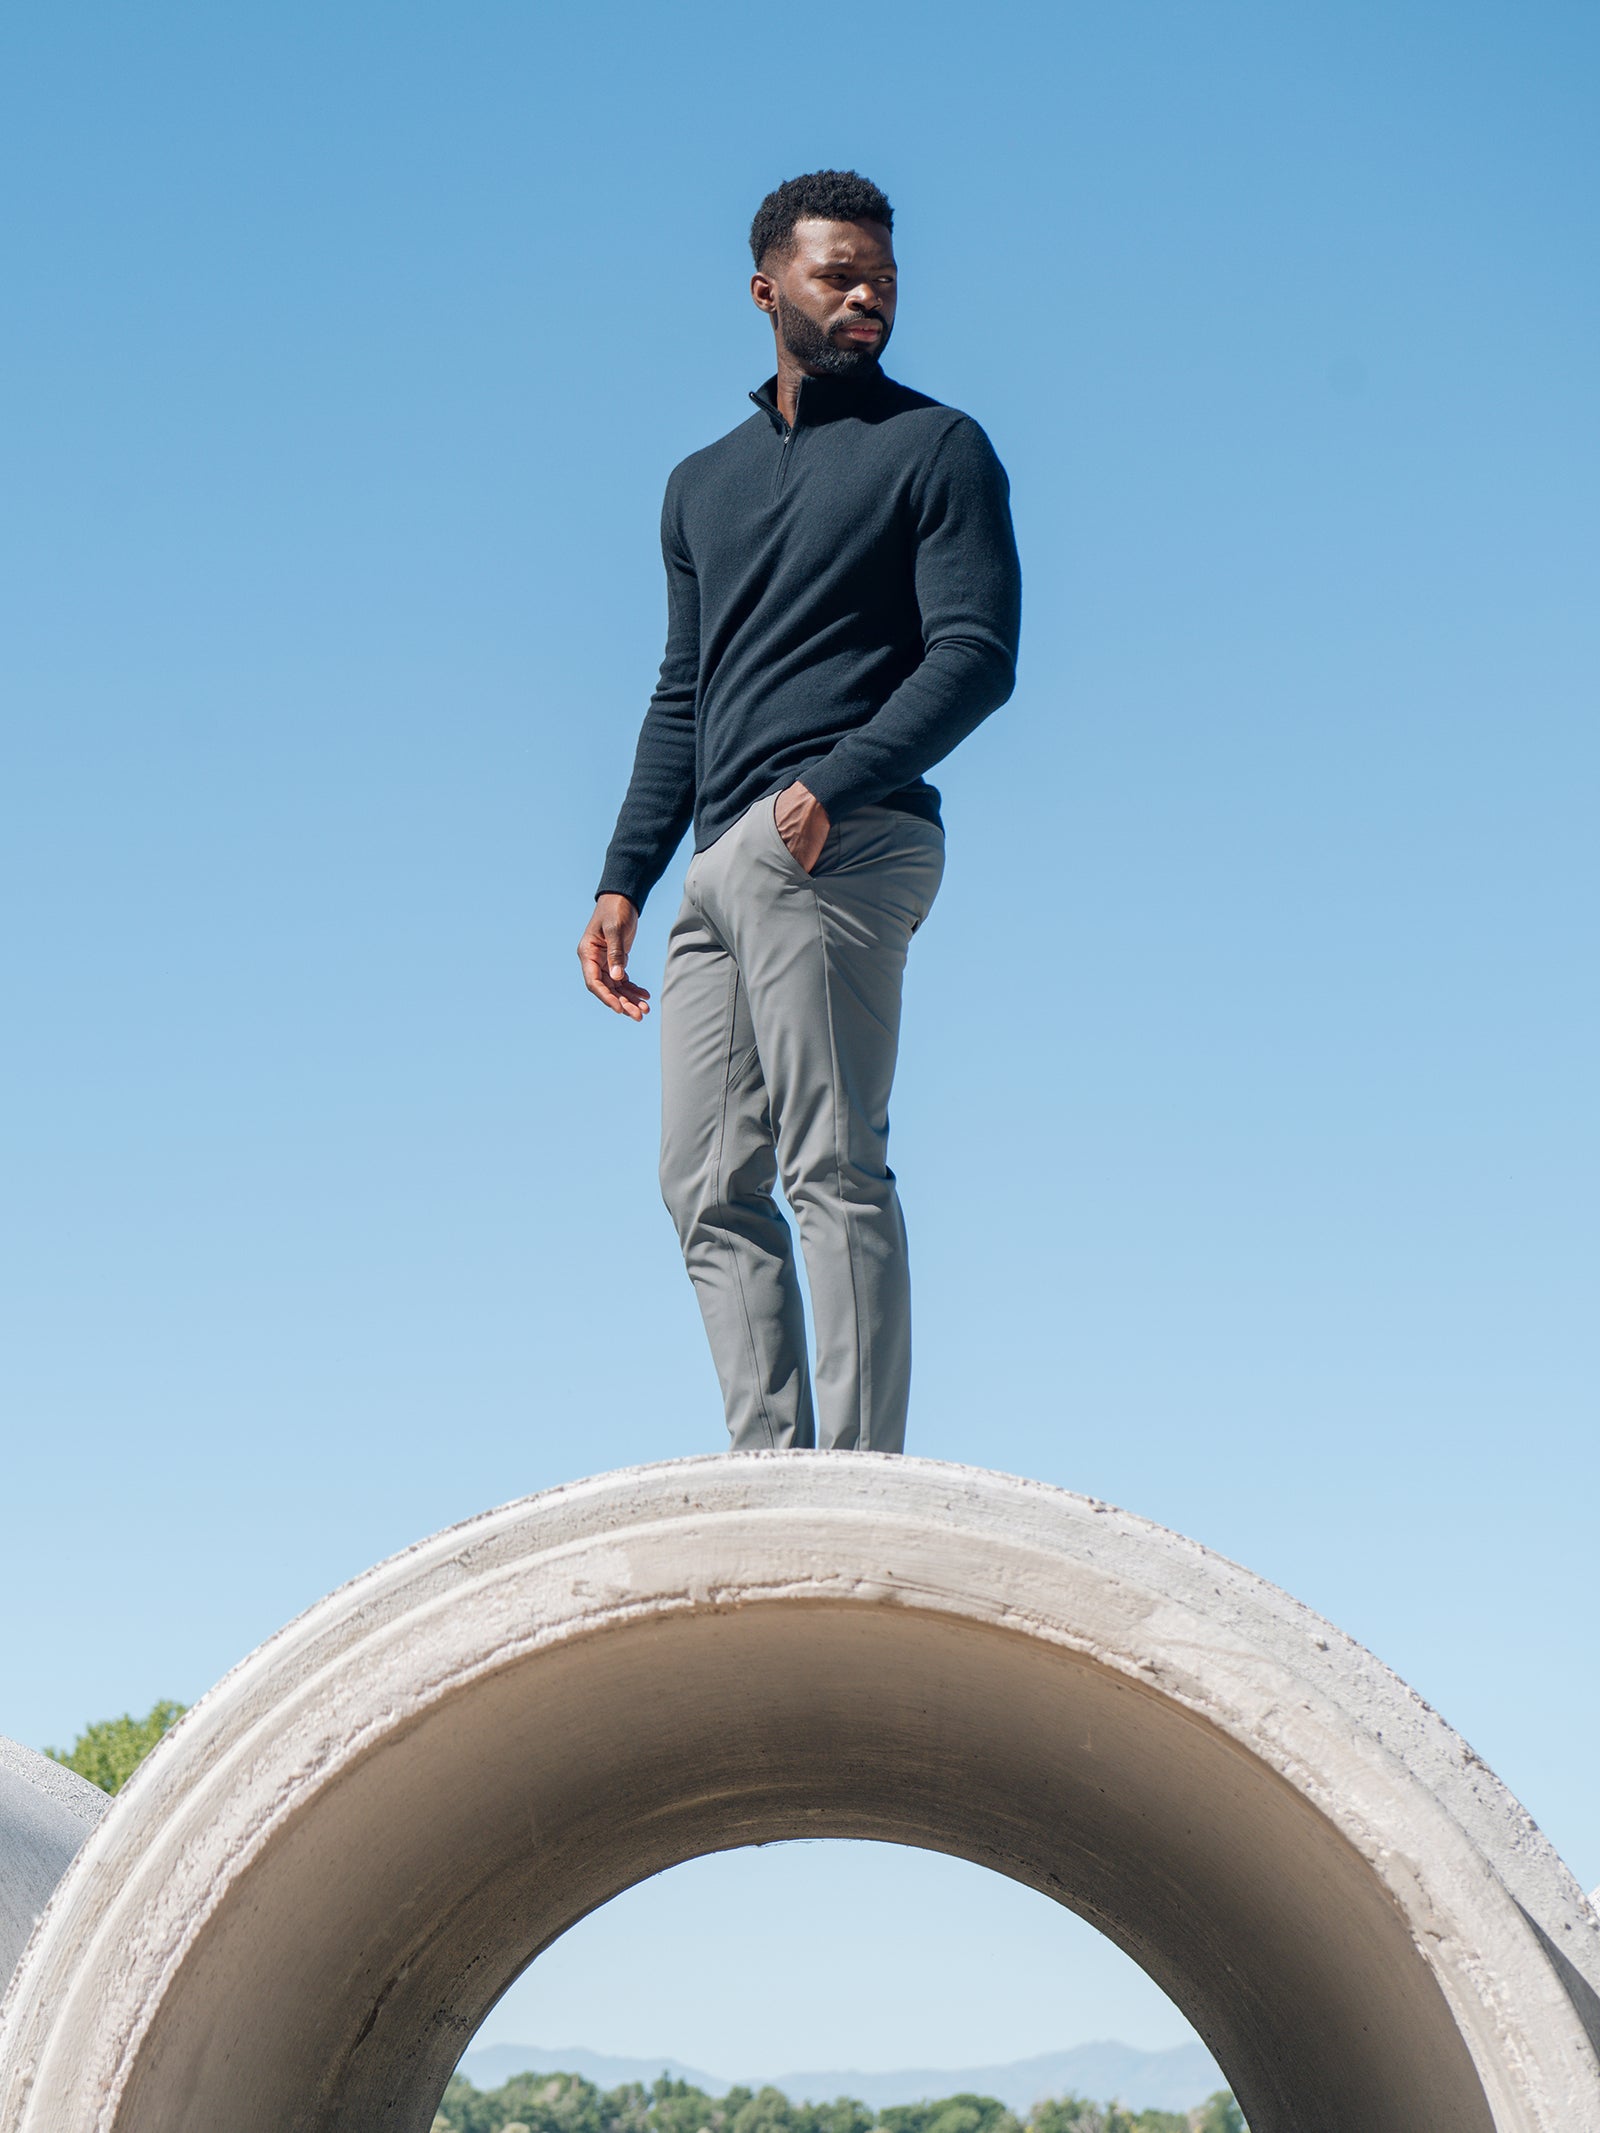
x,y
1160,2081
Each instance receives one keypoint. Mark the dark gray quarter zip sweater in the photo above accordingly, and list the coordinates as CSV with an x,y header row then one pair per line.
x,y
842,607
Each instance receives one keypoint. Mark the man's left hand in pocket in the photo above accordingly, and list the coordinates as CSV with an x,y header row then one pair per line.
x,y
802,823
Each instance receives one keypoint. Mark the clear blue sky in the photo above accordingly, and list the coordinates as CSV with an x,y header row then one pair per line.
x,y
1246,1112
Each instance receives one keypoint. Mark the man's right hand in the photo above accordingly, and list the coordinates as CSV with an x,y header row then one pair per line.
x,y
603,954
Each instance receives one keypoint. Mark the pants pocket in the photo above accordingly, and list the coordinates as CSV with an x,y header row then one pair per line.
x,y
827,858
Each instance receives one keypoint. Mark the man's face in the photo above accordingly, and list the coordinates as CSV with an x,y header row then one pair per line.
x,y
832,296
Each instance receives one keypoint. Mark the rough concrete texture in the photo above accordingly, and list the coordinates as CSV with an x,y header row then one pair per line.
x,y
296,1915
45,1814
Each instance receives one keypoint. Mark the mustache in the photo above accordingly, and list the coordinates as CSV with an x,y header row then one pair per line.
x,y
858,318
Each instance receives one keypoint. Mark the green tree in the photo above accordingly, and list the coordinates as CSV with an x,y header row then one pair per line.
x,y
627,2109
108,1752
549,2103
1219,2114
565,2103
1067,2114
768,2111
679,2107
950,2114
843,2115
465,2109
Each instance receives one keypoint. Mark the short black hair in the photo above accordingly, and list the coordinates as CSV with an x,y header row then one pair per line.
x,y
827,196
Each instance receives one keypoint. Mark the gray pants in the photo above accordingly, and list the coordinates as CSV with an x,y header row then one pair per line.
x,y
780,1020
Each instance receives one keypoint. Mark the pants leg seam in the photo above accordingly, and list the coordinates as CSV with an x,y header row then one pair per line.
x,y
863,1329
721,1187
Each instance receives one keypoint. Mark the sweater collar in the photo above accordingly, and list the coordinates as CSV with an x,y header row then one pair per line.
x,y
822,399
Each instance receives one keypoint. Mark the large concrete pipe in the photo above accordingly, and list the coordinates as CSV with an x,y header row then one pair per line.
x,y
300,1910
46,1811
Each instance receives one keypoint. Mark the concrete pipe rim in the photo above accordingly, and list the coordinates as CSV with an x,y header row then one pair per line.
x,y
718,1549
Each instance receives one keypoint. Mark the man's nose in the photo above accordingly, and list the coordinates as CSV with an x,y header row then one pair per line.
x,y
863,297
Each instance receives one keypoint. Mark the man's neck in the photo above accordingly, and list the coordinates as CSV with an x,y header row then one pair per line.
x,y
792,375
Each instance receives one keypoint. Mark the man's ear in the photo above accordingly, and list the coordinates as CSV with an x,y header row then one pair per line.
x,y
764,292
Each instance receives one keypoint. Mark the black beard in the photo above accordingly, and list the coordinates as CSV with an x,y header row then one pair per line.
x,y
811,347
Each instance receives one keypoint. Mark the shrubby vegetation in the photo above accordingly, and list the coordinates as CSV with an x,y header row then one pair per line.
x,y
108,1752
564,2103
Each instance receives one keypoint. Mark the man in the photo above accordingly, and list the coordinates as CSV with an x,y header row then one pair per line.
x,y
842,599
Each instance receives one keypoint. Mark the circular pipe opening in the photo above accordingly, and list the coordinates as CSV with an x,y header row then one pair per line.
x,y
301,1910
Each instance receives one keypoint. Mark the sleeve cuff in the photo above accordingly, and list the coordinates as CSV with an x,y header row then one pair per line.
x,y
621,885
831,784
